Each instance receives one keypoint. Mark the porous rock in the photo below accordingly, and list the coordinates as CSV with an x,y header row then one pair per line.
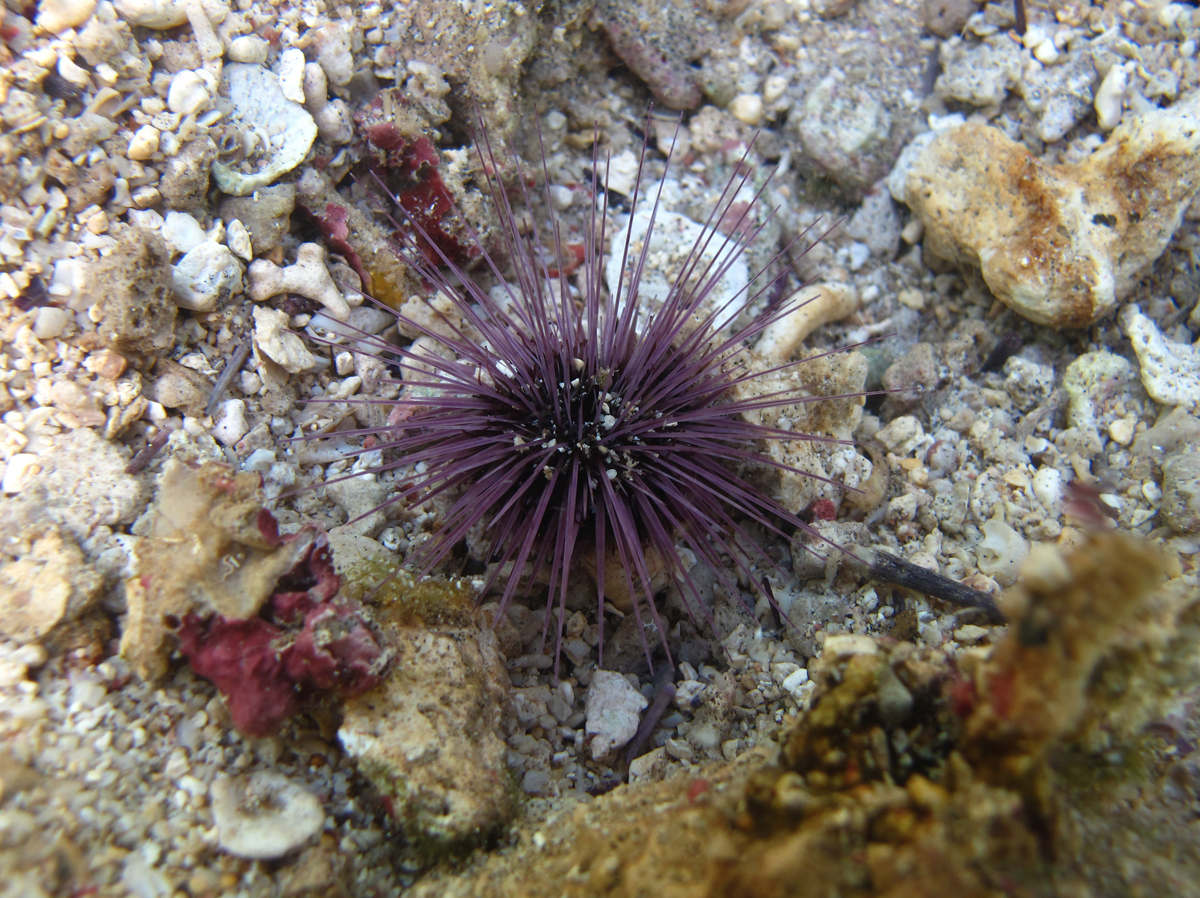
x,y
1060,244
946,17
82,487
132,291
430,735
185,178
266,213
908,771
845,128
482,55
1181,490
658,41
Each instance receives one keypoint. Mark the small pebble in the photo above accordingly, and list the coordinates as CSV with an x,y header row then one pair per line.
x,y
181,231
970,633
535,782
613,712
1110,97
291,74
650,766
774,87
1048,487
188,93
206,276
1121,430
59,15
237,238
143,144
794,682
230,424
747,108
20,469
273,337
1180,502
561,197
50,322
248,48
157,14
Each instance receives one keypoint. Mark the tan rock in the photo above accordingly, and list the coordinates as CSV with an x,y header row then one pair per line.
x,y
1059,244
430,735
46,583
205,552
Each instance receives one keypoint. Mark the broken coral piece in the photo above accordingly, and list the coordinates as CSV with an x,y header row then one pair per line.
x,y
209,548
1059,244
305,642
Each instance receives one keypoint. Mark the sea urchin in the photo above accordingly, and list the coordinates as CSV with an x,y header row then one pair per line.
x,y
571,424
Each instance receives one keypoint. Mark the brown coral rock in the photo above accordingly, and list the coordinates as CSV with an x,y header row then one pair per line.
x,y
205,552
1060,244
133,296
907,779
1071,614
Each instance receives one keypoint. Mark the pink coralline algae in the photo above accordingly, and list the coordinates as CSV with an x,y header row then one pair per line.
x,y
306,642
409,168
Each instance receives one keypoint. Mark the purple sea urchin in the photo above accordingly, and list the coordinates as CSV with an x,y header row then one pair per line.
x,y
574,425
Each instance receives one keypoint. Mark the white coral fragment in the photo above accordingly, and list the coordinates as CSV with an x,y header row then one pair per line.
x,y
307,276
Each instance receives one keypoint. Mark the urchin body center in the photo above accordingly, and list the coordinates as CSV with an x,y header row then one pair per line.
x,y
580,422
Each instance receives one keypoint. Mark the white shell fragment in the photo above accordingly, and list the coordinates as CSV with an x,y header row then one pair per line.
x,y
1000,552
1110,97
280,345
613,711
264,816
237,238
205,276
291,74
275,132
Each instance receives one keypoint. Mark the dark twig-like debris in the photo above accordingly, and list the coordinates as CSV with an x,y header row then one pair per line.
x,y
893,569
